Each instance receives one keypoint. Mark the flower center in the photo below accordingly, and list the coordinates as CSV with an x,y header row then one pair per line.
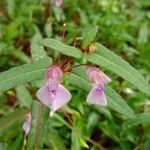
x,y
100,89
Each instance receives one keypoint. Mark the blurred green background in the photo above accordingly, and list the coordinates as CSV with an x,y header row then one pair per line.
x,y
123,28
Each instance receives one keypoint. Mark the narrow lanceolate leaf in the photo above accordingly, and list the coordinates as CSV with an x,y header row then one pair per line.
x,y
23,96
62,120
89,37
54,140
17,142
115,102
139,119
3,146
2,47
59,46
23,74
37,50
12,29
10,50
75,142
11,123
104,57
37,132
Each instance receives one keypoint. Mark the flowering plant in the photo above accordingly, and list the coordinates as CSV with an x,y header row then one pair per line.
x,y
64,90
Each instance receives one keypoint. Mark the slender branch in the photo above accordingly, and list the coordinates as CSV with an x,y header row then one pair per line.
x,y
70,58
47,10
79,65
76,67
64,32
66,63
96,144
63,37
69,118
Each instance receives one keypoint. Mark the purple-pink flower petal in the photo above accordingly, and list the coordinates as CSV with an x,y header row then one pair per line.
x,y
97,96
52,93
53,72
43,94
58,2
54,99
27,124
97,77
62,97
53,76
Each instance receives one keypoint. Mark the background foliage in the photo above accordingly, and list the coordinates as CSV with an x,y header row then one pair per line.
x,y
122,27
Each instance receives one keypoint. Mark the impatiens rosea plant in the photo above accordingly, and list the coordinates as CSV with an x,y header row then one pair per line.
x,y
80,65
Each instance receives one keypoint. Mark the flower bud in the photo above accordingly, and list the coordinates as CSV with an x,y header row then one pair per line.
x,y
92,48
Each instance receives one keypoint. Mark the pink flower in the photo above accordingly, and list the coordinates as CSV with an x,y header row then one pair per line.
x,y
98,80
27,124
58,2
53,94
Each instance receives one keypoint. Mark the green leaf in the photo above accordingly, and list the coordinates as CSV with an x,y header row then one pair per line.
x,y
83,143
48,29
143,34
24,97
139,119
89,37
19,54
12,51
58,13
10,8
40,114
12,28
3,146
2,46
10,123
110,131
23,74
91,123
115,102
58,45
71,111
37,50
62,120
54,140
147,144
17,143
75,141
111,61
104,111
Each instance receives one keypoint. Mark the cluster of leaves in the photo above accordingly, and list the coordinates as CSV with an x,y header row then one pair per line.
x,y
123,28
